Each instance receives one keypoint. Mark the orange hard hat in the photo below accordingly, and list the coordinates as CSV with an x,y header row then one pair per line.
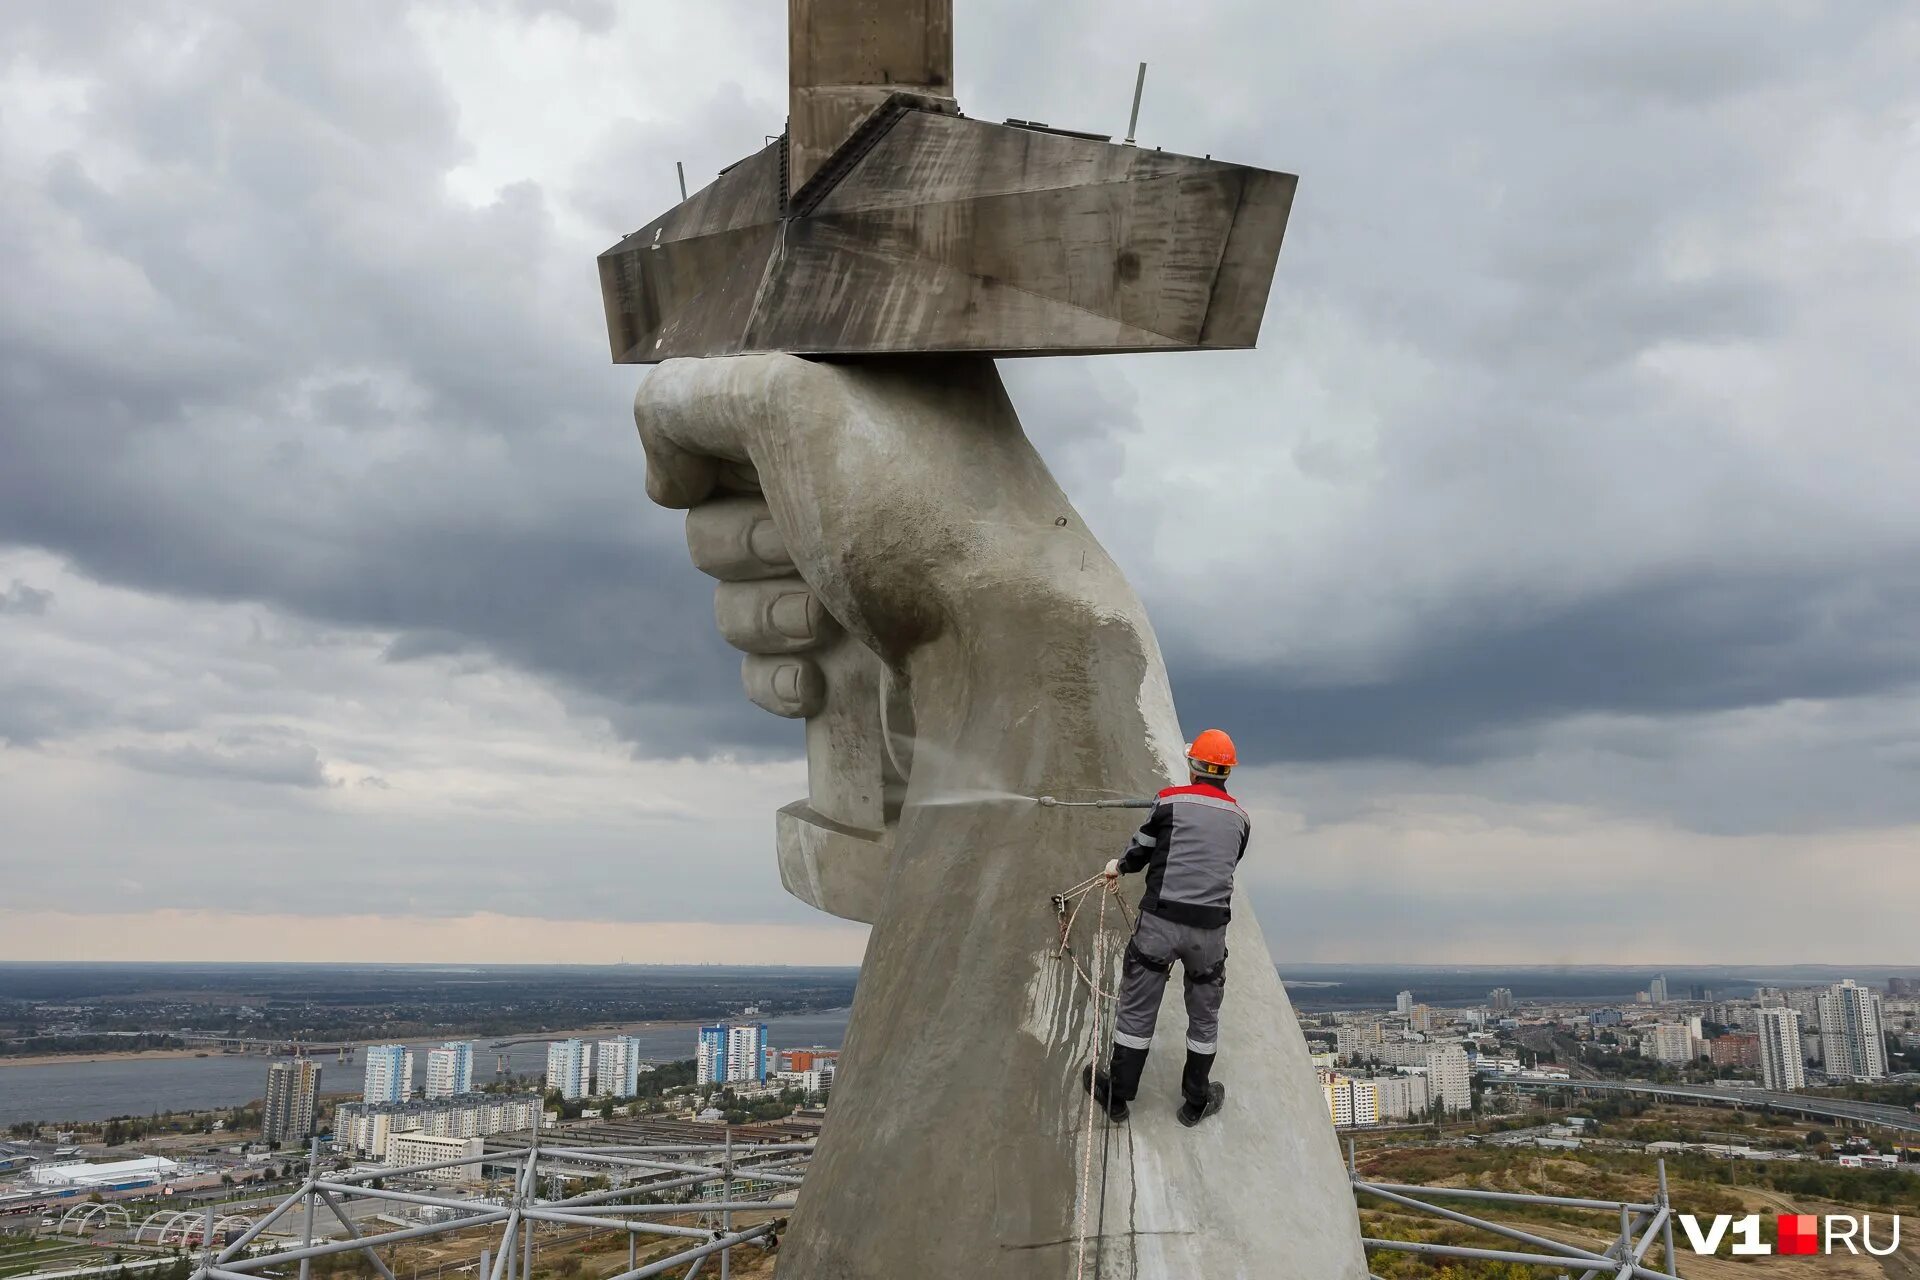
x,y
1212,753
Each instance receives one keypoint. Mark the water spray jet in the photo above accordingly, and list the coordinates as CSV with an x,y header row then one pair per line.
x,y
1050,803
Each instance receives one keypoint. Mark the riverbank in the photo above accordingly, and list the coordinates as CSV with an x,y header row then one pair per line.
x,y
483,1042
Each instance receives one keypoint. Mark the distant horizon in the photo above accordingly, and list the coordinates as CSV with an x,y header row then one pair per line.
x,y
1374,966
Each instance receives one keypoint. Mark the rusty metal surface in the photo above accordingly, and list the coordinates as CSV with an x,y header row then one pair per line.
x,y
929,232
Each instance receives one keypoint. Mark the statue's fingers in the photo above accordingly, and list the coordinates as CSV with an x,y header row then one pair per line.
x,y
702,421
776,615
789,685
689,427
734,539
676,477
846,766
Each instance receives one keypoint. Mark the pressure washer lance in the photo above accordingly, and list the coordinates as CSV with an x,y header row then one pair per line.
x,y
1051,803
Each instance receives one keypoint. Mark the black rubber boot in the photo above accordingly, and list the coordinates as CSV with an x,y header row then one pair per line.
x,y
1101,1087
1190,1115
1119,1084
1201,1097
1125,1069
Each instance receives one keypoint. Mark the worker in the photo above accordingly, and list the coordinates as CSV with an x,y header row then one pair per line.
x,y
1189,846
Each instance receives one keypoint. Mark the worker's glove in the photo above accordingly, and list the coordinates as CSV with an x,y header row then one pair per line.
x,y
1112,871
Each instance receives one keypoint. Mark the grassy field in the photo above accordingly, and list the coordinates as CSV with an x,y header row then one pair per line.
x,y
20,1256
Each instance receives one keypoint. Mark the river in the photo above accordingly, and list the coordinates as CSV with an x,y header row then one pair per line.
x,y
140,1086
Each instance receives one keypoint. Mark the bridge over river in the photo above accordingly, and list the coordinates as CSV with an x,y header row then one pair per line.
x,y
1815,1106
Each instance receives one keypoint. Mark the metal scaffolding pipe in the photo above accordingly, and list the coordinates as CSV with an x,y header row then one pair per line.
x,y
1570,1251
667,1264
313,1174
247,1236
388,1237
373,1255
703,1206
672,1184
628,1161
1516,1197
508,1237
1617,1251
677,1148
529,1192
614,1224
726,1215
752,1174
635,1207
1666,1230
1660,1221
486,1157
1628,1269
407,1197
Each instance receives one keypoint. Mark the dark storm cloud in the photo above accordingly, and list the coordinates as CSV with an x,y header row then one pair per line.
x,y
1690,643
265,356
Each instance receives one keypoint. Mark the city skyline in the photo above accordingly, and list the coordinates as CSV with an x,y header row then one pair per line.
x,y
1571,551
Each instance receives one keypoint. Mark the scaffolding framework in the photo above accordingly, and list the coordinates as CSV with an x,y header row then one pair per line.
x,y
1640,1226
740,1177
759,1178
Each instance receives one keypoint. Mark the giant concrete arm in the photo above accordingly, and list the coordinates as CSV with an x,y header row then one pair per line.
x,y
907,548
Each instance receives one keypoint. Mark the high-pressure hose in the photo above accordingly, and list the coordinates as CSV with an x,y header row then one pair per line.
x,y
1051,803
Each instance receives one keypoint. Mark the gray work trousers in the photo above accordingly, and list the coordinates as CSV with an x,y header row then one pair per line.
x,y
1156,944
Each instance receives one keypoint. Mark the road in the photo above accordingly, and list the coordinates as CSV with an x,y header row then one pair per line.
x,y
1873,1113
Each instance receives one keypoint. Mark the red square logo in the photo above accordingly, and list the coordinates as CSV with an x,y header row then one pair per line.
x,y
1797,1233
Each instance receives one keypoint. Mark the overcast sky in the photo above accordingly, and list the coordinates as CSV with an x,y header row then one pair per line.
x,y
1555,559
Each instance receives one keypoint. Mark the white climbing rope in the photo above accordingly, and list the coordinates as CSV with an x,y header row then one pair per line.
x,y
1067,905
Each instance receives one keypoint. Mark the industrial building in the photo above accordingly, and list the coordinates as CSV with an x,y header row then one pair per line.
x,y
118,1175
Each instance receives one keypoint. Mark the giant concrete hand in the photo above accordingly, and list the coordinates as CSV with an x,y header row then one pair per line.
x,y
903,572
